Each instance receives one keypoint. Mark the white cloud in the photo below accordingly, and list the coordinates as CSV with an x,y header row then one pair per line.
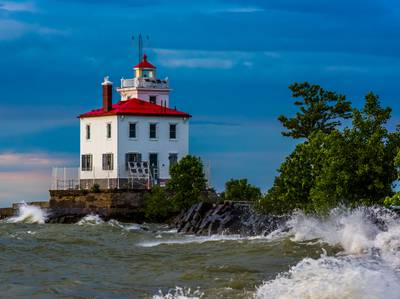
x,y
210,63
247,9
27,176
21,120
12,29
18,6
208,59
31,160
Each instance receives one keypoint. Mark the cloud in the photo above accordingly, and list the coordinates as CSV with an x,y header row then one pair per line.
x,y
174,58
21,120
18,6
239,9
31,160
27,176
12,29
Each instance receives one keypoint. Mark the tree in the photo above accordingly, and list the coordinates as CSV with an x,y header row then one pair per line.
x,y
157,206
240,190
354,166
187,184
320,110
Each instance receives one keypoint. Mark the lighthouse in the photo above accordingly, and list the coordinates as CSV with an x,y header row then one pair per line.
x,y
134,141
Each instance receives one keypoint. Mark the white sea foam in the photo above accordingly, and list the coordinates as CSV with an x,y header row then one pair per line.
x,y
91,219
188,239
367,268
28,214
180,293
333,278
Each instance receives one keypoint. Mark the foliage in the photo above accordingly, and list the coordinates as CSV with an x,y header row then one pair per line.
x,y
95,188
187,184
353,166
240,190
320,110
158,207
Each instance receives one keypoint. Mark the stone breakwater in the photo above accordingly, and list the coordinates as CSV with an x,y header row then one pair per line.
x,y
69,206
228,218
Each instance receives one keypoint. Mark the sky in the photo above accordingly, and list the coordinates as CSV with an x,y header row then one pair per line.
x,y
229,62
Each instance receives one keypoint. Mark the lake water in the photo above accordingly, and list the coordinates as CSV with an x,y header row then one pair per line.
x,y
345,255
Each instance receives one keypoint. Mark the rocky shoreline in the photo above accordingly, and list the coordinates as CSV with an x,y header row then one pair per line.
x,y
226,218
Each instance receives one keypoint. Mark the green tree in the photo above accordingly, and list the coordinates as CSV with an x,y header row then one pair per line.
x,y
240,190
353,166
187,184
157,206
320,110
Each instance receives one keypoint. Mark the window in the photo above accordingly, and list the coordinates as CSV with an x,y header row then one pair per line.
x,y
153,131
109,130
173,159
153,99
132,130
132,157
87,162
172,131
108,161
87,132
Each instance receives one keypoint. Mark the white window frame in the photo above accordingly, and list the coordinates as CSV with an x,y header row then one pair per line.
x,y
112,162
136,130
109,124
156,124
176,131
88,126
90,168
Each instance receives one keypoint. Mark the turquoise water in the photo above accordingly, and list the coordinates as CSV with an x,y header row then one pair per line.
x,y
344,256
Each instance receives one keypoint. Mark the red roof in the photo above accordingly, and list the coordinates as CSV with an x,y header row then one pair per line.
x,y
136,107
144,64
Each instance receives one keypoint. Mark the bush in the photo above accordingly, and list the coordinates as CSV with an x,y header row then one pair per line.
x,y
95,188
157,206
187,184
240,190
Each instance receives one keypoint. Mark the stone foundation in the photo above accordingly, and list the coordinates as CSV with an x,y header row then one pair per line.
x,y
107,184
119,204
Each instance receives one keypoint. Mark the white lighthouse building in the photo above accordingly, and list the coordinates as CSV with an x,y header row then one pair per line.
x,y
135,140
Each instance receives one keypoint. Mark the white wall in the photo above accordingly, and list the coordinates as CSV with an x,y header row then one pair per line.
x,y
98,145
119,144
144,94
144,145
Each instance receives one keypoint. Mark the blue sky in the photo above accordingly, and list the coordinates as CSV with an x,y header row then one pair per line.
x,y
229,64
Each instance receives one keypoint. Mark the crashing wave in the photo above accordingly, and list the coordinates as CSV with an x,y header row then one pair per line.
x,y
367,268
28,214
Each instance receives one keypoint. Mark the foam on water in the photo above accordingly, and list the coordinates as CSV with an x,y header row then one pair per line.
x,y
91,219
179,293
332,277
28,214
188,239
367,268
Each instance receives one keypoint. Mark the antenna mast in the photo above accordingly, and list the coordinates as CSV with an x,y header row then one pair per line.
x,y
140,45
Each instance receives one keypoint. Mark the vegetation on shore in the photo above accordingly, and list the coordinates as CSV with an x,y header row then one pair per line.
x,y
345,156
337,163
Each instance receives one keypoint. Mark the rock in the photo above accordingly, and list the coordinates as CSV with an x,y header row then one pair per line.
x,y
227,217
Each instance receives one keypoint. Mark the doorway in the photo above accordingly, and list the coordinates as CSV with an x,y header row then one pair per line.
x,y
153,161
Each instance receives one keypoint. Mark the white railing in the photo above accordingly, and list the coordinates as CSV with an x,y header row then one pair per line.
x,y
144,83
65,178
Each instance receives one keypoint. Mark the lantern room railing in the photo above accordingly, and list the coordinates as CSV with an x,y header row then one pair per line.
x,y
144,83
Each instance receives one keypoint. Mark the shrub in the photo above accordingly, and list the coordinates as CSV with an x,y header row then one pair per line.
x,y
240,190
187,184
157,206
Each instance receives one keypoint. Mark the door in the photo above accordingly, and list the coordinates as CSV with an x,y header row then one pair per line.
x,y
153,160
